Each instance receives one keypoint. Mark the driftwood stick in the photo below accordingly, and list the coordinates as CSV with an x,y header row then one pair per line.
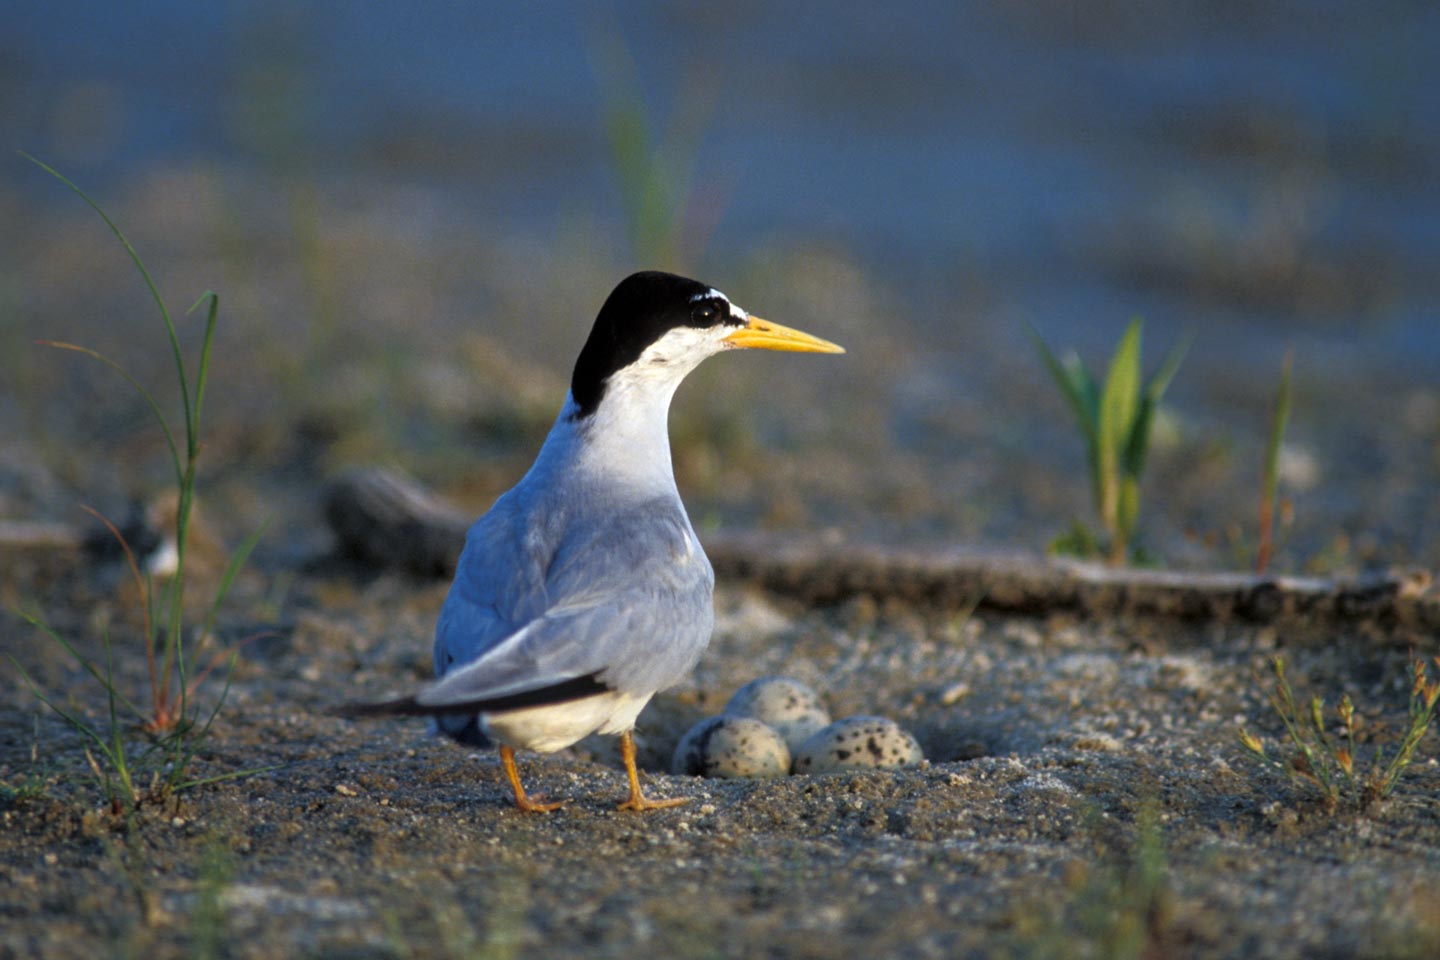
x,y
389,520
35,535
817,572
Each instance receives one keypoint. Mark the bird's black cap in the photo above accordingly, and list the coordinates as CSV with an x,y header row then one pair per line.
x,y
639,311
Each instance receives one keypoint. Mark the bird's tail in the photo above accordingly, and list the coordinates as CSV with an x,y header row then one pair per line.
x,y
399,707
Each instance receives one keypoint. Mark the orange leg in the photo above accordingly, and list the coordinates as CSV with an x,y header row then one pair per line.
x,y
507,759
638,801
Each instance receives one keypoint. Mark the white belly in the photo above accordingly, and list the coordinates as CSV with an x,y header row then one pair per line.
x,y
557,726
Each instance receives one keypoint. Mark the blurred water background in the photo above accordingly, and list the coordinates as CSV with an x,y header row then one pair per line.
x,y
412,211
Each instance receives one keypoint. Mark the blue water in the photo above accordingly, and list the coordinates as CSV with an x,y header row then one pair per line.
x,y
1042,148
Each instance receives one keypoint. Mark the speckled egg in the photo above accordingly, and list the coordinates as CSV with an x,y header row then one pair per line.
x,y
858,742
728,746
788,707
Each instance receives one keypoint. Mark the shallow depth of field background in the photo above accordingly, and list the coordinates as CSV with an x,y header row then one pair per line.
x,y
411,213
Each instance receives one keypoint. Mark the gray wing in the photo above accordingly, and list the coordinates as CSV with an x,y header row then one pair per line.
x,y
627,600
499,585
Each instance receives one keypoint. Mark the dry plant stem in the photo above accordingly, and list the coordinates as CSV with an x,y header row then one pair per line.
x,y
143,588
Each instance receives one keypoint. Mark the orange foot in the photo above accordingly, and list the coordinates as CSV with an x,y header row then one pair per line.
x,y
638,801
507,760
534,806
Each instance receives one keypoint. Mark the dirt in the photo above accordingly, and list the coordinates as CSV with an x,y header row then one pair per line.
x,y
1084,794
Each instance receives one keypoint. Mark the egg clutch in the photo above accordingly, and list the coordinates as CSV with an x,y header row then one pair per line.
x,y
776,726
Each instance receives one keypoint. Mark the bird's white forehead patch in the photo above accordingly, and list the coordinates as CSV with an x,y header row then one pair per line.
x,y
737,314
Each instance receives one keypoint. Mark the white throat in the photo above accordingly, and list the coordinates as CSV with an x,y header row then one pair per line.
x,y
625,441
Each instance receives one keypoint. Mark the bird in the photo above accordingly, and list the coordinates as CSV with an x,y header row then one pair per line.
x,y
584,590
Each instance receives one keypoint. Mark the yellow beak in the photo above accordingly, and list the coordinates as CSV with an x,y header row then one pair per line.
x,y
764,335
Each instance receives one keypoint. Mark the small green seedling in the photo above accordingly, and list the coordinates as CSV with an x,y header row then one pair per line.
x,y
1270,477
1324,758
1275,514
1115,420
655,169
172,718
1119,905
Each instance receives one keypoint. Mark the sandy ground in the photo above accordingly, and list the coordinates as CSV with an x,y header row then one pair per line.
x,y
1085,795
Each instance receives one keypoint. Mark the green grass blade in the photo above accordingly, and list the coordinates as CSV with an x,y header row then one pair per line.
x,y
1119,399
232,569
1120,396
1160,381
139,265
1073,382
154,407
186,745
1085,388
75,655
117,741
221,778
114,754
74,720
1137,445
1270,473
1129,507
204,730
202,375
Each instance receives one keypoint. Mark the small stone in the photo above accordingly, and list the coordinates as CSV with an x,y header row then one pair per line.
x,y
345,790
789,707
728,746
858,742
953,694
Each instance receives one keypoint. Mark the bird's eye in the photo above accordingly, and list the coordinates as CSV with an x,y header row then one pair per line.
x,y
704,314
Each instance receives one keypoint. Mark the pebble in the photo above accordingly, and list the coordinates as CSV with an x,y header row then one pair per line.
x,y
858,742
954,693
730,746
787,706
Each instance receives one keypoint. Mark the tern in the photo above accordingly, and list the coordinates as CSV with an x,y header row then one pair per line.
x,y
584,590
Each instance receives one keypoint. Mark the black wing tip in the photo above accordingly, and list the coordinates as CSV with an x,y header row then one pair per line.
x,y
566,691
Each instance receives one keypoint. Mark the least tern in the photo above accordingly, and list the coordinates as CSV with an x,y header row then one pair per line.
x,y
584,590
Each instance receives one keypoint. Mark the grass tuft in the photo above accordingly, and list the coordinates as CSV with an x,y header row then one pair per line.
x,y
1115,419
668,219
1324,758
175,722
32,783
